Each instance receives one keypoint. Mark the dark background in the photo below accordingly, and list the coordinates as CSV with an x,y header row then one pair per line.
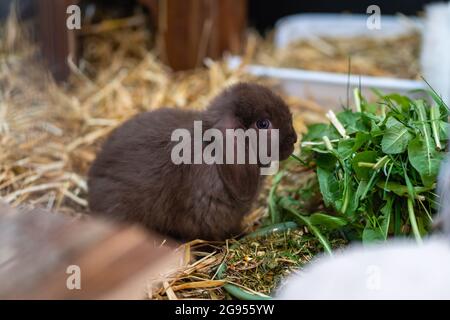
x,y
264,13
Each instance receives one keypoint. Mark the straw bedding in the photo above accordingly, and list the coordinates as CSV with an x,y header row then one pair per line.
x,y
49,133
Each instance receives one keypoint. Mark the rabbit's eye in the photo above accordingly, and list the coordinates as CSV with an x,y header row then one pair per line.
x,y
263,124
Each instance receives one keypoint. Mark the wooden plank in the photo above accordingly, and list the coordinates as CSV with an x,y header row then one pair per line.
x,y
116,261
57,42
190,30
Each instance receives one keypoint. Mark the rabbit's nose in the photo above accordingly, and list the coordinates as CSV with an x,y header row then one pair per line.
x,y
292,138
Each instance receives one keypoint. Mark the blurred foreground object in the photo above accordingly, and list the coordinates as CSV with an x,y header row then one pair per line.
x,y
40,253
436,45
396,270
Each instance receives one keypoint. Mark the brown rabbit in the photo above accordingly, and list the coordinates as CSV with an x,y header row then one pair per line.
x,y
134,178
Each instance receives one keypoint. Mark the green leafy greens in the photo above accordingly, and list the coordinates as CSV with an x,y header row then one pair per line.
x,y
376,170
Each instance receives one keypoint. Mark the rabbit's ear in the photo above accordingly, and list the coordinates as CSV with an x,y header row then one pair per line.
x,y
242,181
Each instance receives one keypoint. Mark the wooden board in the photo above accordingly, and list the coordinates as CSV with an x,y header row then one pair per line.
x,y
57,41
38,248
190,30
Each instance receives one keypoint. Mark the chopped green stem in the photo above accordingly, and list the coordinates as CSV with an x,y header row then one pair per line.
x,y
327,142
326,245
367,164
357,98
346,194
337,124
413,221
293,156
381,162
426,210
273,209
369,185
425,131
434,115
376,165
316,143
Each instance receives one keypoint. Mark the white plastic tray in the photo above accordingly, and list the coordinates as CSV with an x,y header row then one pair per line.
x,y
313,25
332,89
328,89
